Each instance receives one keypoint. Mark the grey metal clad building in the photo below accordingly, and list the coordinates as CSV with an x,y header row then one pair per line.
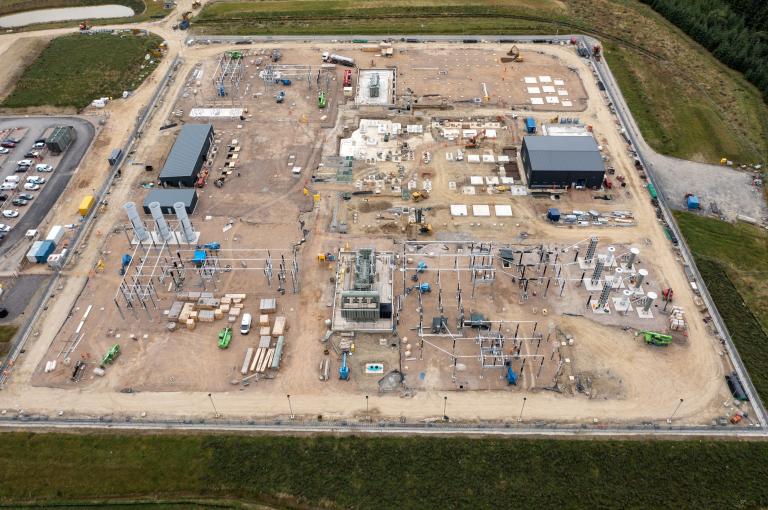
x,y
187,155
167,197
562,161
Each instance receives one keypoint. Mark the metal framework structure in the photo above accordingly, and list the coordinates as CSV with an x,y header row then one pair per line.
x,y
228,75
156,264
274,72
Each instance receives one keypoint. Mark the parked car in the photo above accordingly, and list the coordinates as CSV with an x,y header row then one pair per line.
x,y
26,196
12,178
10,213
5,228
8,186
8,144
42,167
19,202
39,144
25,162
4,150
31,186
3,197
32,154
36,179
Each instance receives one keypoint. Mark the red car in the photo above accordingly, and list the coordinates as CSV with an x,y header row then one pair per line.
x,y
347,78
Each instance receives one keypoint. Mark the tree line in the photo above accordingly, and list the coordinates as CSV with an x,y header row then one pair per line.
x,y
734,31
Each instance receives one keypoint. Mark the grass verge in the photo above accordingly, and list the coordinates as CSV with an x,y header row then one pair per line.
x,y
733,260
73,70
381,473
688,104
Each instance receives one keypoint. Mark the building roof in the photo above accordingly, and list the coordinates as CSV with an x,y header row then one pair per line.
x,y
563,153
186,151
168,197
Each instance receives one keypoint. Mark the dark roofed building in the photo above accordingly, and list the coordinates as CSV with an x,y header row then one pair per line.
x,y
187,155
168,197
562,162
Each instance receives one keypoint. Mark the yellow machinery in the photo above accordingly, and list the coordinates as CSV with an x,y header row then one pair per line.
x,y
418,196
514,52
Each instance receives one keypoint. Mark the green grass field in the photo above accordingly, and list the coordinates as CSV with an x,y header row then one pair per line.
x,y
73,70
380,473
687,104
733,260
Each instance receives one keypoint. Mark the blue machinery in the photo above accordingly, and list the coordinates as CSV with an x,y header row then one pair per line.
x,y
511,376
344,368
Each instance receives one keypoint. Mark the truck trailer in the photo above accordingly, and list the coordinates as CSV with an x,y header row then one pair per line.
x,y
338,59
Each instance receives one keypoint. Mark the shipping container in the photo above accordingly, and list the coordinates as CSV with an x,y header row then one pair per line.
x,y
31,254
85,205
46,248
530,125
60,139
55,234
114,156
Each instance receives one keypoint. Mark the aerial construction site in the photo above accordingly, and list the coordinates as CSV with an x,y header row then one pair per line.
x,y
378,230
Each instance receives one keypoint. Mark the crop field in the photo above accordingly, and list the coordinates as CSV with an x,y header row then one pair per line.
x,y
688,104
353,472
732,260
74,70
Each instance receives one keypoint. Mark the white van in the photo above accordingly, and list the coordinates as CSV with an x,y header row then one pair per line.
x,y
12,178
7,186
245,325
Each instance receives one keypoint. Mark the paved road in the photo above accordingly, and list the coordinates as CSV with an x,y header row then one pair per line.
x,y
56,181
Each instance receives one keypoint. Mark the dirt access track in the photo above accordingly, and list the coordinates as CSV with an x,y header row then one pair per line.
x,y
581,367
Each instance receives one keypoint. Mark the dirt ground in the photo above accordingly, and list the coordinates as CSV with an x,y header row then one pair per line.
x,y
615,376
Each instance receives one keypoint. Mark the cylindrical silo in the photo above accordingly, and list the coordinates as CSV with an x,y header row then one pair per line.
x,y
640,277
633,253
186,225
138,226
649,299
162,227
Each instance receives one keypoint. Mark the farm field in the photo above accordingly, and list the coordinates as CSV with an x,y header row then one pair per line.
x,y
272,471
701,100
73,70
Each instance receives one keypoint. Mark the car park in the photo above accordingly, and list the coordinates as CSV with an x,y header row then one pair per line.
x,y
30,186
19,202
10,213
42,167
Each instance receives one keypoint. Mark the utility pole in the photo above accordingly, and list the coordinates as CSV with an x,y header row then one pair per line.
x,y
290,408
445,406
669,420
215,412
520,418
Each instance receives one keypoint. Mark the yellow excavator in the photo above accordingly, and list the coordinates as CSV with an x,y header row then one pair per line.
x,y
514,52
